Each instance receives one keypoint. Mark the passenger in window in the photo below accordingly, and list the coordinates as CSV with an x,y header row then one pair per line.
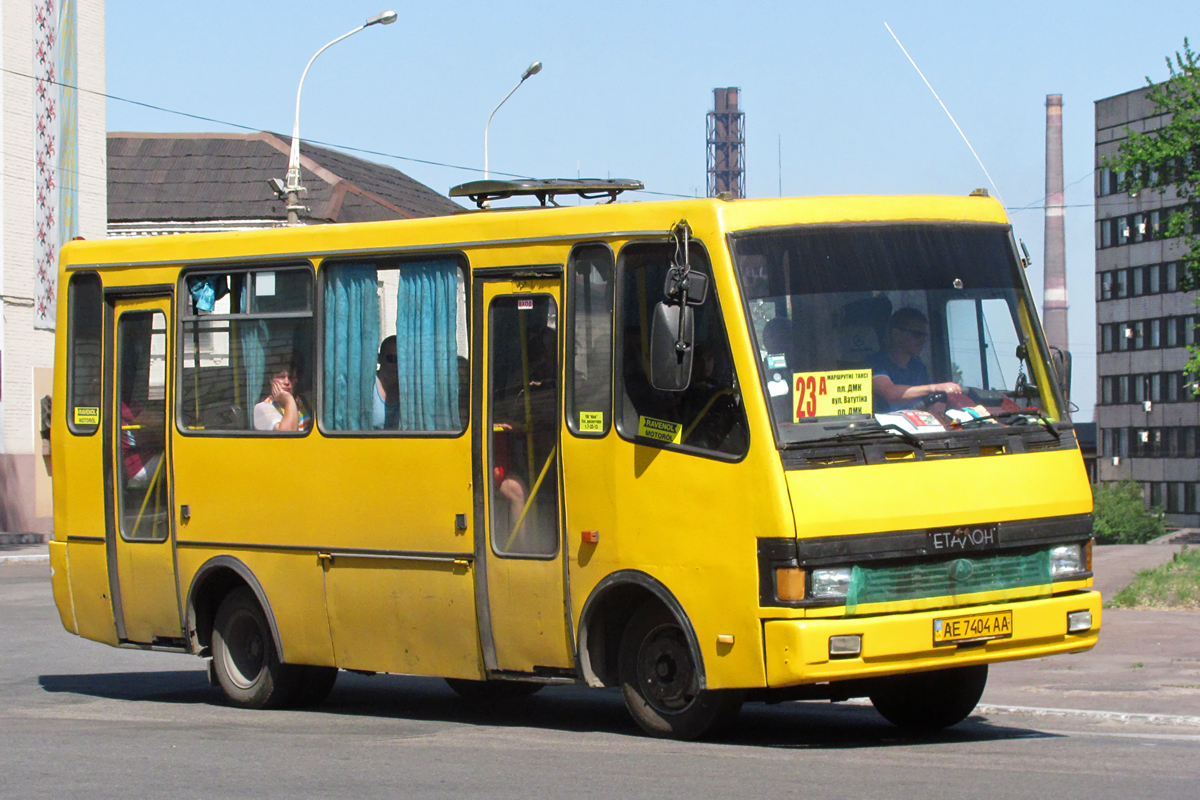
x,y
385,414
899,376
282,409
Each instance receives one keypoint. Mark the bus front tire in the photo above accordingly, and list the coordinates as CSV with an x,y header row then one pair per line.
x,y
492,690
930,701
314,686
244,658
659,680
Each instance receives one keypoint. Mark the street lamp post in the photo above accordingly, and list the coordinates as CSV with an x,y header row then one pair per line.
x,y
292,187
531,70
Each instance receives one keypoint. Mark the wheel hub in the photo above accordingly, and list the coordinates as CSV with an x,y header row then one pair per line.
x,y
665,671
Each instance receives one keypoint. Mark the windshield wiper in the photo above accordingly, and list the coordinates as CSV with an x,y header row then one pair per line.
x,y
850,433
1028,414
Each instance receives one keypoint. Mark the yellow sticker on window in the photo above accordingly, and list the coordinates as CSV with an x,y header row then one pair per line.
x,y
591,421
660,429
831,394
87,415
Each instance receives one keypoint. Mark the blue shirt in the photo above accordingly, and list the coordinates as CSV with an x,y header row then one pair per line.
x,y
914,374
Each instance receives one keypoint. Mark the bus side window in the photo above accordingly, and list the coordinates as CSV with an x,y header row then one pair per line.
x,y
241,331
590,315
85,331
708,415
395,346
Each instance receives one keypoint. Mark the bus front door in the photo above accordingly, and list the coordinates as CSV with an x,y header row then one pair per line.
x,y
141,563
521,595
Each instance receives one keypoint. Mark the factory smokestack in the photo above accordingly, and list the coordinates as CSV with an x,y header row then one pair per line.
x,y
726,146
1054,286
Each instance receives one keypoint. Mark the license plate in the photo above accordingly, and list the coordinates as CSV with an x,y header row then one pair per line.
x,y
974,628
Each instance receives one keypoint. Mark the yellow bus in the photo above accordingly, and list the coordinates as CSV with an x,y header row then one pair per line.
x,y
707,451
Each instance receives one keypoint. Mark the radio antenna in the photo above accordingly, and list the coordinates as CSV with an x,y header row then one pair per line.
x,y
948,114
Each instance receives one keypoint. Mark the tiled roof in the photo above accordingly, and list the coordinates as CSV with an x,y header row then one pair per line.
x,y
221,176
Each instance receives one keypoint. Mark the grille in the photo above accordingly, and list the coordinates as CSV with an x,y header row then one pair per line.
x,y
952,576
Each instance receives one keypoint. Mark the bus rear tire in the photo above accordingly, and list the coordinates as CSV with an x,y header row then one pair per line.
x,y
659,680
244,658
492,690
930,701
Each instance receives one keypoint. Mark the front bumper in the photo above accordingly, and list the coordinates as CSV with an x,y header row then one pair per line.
x,y
797,651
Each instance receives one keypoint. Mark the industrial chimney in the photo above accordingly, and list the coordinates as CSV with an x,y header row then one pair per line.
x,y
1054,286
726,146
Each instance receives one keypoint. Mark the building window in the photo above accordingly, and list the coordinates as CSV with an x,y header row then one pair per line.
x,y
1172,277
1122,283
1153,274
1155,333
1106,286
1139,335
1122,230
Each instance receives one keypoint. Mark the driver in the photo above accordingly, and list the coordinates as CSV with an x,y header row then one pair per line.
x,y
899,376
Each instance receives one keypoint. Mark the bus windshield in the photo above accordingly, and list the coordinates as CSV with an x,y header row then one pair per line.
x,y
923,327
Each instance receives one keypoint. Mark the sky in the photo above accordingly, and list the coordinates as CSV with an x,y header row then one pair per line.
x,y
832,105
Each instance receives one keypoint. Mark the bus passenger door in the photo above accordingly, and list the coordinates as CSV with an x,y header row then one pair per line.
x,y
521,596
141,562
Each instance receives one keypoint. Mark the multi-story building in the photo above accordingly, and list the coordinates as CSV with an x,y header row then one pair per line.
x,y
52,189
1146,411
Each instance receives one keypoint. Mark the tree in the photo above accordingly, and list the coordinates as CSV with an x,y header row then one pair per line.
x,y
1120,517
1169,159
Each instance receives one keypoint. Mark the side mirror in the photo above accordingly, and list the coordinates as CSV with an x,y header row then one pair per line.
x,y
1062,369
672,336
695,283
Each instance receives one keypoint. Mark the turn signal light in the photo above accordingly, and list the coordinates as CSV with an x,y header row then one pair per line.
x,y
1087,555
789,584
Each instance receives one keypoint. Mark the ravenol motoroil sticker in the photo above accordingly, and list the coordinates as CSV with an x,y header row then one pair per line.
x,y
591,421
87,415
831,394
660,429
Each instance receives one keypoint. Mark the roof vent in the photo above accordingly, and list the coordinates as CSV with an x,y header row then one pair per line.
x,y
979,193
482,192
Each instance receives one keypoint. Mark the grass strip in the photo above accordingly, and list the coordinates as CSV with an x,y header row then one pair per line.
x,y
1173,585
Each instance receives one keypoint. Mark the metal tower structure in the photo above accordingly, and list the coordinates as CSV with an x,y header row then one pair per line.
x,y
726,146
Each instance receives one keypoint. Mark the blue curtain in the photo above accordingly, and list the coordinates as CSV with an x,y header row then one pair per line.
x,y
427,347
253,337
351,346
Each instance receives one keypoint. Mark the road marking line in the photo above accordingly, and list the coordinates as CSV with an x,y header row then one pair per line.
x,y
38,559
1169,737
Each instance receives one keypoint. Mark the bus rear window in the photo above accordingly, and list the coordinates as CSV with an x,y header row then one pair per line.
x,y
85,331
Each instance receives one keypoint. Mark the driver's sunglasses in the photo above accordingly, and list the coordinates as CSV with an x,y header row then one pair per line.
x,y
915,334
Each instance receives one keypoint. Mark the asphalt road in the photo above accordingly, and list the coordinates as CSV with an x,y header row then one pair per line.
x,y
80,719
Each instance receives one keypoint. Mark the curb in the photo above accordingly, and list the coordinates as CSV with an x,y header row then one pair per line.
x,y
1077,713
35,559
1114,716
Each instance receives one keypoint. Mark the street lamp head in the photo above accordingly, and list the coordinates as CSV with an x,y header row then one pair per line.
x,y
532,69
386,18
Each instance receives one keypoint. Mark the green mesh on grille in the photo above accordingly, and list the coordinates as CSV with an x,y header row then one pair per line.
x,y
954,576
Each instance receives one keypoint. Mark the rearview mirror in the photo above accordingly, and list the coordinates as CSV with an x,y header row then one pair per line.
x,y
672,335
1062,370
695,283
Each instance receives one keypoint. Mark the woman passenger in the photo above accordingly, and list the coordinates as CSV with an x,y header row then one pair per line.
x,y
282,409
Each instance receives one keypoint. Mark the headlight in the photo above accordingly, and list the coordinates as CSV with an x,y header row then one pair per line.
x,y
1066,559
830,583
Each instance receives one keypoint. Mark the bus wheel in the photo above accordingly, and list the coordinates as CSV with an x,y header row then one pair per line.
x,y
492,690
659,680
314,686
930,701
244,657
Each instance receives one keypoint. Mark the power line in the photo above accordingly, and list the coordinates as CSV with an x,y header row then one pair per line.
x,y
239,126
